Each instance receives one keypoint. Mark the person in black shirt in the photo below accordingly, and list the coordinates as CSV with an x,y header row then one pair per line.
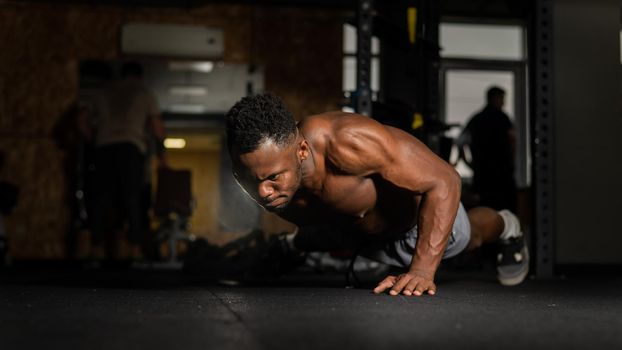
x,y
491,139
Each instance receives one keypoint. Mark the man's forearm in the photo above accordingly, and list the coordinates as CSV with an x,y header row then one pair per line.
x,y
436,218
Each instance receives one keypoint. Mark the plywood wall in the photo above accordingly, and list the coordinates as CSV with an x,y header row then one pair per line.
x,y
42,45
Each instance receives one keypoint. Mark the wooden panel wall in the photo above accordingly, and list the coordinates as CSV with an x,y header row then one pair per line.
x,y
42,45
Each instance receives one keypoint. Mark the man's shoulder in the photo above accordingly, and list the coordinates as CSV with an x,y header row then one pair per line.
x,y
335,126
336,121
321,125
351,142
480,115
324,120
483,118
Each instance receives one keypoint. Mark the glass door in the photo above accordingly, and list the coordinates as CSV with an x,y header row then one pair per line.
x,y
464,89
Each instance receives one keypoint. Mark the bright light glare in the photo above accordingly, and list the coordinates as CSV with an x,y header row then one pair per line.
x,y
203,67
187,108
174,143
188,90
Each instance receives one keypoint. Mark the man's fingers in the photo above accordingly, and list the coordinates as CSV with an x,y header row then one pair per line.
x,y
401,282
406,284
425,286
432,289
412,286
420,289
386,283
418,286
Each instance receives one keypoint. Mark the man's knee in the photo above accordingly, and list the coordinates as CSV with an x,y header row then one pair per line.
x,y
476,240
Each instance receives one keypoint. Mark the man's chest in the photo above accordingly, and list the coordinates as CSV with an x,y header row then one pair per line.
x,y
343,200
360,203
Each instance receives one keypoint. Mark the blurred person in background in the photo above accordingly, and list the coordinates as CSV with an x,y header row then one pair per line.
x,y
491,139
8,200
126,113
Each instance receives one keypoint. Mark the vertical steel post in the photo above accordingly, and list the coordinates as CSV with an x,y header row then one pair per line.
x,y
363,57
543,141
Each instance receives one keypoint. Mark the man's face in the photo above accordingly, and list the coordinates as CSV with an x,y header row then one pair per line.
x,y
498,101
271,175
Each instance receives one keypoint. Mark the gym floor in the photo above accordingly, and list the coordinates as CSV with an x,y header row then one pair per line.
x,y
70,308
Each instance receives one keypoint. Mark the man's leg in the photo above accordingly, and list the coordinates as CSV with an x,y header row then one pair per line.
x,y
503,228
486,226
132,164
104,200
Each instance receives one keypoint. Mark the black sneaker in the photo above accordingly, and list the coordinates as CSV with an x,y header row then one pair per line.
x,y
512,261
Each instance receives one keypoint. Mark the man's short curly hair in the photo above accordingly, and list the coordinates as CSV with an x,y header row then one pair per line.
x,y
256,119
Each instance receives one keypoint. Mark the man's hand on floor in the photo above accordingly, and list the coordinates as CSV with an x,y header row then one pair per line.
x,y
410,283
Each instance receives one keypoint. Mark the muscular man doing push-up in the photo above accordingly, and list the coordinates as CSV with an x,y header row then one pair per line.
x,y
348,181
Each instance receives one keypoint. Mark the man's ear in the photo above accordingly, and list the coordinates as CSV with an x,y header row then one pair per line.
x,y
303,150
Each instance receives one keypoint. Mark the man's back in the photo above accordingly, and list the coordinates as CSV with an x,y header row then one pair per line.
x,y
492,151
123,110
490,143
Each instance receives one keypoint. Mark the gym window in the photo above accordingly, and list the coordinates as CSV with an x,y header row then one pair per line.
x,y
482,41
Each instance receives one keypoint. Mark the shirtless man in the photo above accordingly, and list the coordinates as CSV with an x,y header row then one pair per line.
x,y
348,181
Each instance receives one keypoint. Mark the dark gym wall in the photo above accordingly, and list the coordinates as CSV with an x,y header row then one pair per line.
x,y
587,127
42,44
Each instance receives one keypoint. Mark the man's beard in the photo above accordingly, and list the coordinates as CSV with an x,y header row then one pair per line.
x,y
280,209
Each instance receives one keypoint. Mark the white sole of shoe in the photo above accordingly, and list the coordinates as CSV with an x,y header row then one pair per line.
x,y
518,279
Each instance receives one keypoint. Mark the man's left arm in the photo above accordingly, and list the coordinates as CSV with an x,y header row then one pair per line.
x,y
412,165
436,216
367,147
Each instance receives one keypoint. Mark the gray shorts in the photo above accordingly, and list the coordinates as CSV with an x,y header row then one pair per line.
x,y
399,252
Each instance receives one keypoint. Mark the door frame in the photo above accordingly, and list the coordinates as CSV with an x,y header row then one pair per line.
x,y
521,120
